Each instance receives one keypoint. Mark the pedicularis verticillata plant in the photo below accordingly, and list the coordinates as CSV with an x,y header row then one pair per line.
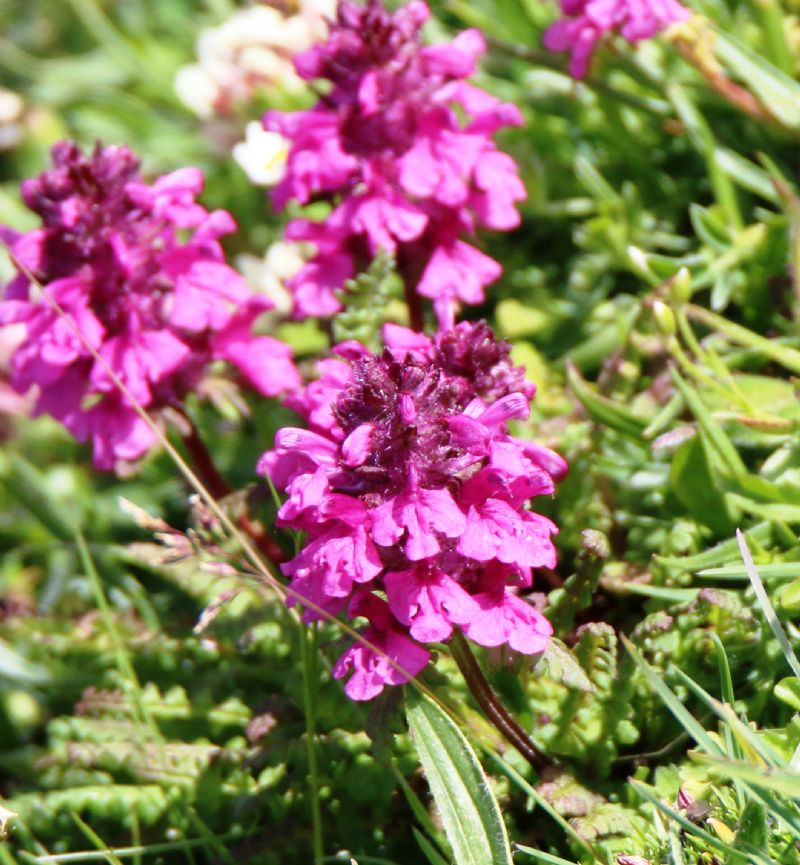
x,y
653,296
408,484
401,146
135,283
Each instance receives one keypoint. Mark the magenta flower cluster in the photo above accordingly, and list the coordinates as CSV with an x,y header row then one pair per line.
x,y
586,22
137,270
401,145
413,497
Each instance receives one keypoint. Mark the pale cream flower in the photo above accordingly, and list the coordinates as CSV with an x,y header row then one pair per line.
x,y
11,110
268,275
252,49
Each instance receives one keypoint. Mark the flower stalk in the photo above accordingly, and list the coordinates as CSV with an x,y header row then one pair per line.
x,y
485,696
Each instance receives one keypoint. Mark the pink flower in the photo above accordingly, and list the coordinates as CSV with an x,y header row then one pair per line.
x,y
429,602
156,307
336,559
418,515
505,618
402,146
411,485
586,22
495,530
394,660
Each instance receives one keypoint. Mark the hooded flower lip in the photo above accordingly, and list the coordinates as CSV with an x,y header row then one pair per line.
x,y
155,307
409,485
586,22
402,147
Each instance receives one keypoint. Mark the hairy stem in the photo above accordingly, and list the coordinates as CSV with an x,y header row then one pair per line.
x,y
308,650
491,705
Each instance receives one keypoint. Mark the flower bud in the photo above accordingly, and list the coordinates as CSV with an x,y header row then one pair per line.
x,y
664,318
681,287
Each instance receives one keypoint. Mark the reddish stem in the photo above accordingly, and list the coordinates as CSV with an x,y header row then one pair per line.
x,y
492,707
416,317
204,465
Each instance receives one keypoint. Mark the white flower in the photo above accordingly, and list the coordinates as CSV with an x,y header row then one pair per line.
x,y
262,155
6,814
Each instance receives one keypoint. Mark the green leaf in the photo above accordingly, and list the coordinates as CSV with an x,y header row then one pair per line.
x,y
541,856
773,571
777,92
765,510
604,410
431,853
753,826
746,173
719,554
709,228
27,485
469,812
693,482
744,855
782,781
719,444
788,691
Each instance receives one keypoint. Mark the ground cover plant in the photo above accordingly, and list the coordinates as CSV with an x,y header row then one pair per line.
x,y
400,432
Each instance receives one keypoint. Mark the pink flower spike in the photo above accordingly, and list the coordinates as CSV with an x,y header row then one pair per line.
x,y
265,362
139,274
457,58
336,559
586,22
356,447
402,341
401,148
413,487
138,360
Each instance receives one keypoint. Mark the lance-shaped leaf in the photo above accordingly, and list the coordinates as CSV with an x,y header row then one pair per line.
x,y
469,811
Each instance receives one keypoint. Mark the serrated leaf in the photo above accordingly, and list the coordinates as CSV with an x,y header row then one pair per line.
x,y
468,809
559,664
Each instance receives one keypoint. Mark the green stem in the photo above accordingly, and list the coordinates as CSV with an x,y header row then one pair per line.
x,y
492,707
308,653
782,354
